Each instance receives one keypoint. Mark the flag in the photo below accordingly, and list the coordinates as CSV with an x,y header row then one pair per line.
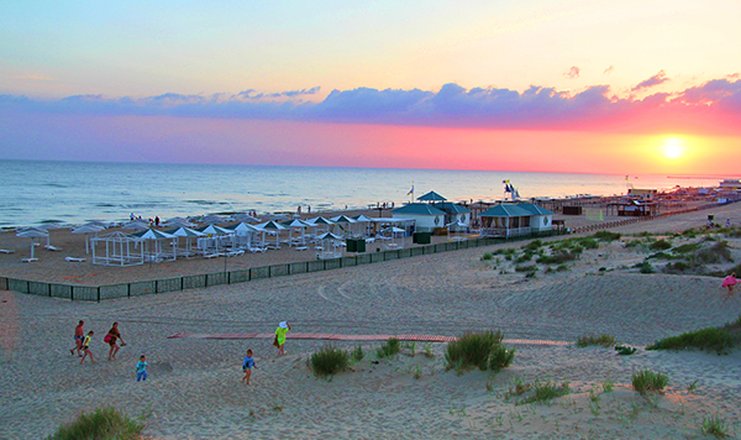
x,y
411,191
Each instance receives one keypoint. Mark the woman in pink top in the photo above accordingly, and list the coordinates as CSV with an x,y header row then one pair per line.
x,y
729,283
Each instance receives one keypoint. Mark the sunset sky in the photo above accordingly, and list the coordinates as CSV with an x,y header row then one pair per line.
x,y
649,86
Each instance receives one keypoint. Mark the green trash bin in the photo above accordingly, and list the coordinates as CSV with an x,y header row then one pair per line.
x,y
360,245
351,245
422,237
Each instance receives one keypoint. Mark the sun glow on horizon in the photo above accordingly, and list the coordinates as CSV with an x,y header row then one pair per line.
x,y
673,148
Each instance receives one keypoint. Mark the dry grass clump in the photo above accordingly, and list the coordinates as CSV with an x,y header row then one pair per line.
x,y
647,381
329,361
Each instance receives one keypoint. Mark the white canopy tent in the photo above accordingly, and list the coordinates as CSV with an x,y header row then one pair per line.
x,y
273,228
322,224
188,235
365,222
299,225
215,241
87,230
345,223
120,250
395,237
329,246
245,237
154,245
33,234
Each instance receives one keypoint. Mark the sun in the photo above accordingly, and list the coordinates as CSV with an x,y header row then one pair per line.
x,y
673,148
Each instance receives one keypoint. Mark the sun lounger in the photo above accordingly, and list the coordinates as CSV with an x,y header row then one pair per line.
x,y
7,251
209,256
29,260
234,253
74,259
52,248
301,248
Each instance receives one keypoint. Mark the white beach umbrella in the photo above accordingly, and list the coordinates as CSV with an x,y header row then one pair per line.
x,y
246,218
214,218
178,222
135,225
187,234
33,234
86,230
216,230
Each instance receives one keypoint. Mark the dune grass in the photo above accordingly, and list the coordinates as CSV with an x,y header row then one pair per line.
x,y
479,350
329,361
357,354
604,340
647,381
606,236
103,423
718,339
390,348
715,426
543,392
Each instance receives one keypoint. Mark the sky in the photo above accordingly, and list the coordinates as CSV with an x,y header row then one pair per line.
x,y
530,85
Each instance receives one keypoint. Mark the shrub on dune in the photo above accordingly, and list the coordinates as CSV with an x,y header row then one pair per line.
x,y
719,340
647,381
480,350
329,360
604,340
103,423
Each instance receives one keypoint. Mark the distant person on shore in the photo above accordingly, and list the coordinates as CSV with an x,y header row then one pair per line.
x,y
111,338
141,369
280,336
729,283
247,365
86,348
308,209
728,223
79,337
298,210
157,221
132,217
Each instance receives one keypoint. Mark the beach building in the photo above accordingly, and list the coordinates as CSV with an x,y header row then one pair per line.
x,y
426,216
508,220
643,194
456,215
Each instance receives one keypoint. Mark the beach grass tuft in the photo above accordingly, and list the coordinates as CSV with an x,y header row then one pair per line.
x,y
604,340
103,423
646,267
481,350
715,426
660,245
487,256
357,354
647,381
329,361
389,348
545,391
715,339
606,236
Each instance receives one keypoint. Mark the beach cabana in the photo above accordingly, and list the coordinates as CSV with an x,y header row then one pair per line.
x,y
273,228
244,236
329,246
216,238
365,222
395,238
299,225
33,234
87,230
155,245
120,250
188,235
322,224
505,220
345,223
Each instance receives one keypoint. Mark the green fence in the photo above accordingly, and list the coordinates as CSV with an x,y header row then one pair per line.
x,y
98,293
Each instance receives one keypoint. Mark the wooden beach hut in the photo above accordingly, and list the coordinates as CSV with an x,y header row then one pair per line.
x,y
508,220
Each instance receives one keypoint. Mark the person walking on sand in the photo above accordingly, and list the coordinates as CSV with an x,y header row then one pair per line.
x,y
86,348
247,365
280,336
141,369
729,283
79,336
111,338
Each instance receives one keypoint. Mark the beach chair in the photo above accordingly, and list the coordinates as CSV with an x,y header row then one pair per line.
x,y
301,248
74,259
29,260
7,251
50,247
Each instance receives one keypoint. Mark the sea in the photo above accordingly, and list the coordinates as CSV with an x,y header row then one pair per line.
x,y
49,193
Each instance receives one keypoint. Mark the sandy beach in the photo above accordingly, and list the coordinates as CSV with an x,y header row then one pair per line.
x,y
194,390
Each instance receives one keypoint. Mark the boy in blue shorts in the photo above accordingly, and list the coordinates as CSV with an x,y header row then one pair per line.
x,y
141,369
247,365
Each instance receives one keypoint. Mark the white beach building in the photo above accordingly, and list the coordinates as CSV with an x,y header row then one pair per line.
x,y
426,217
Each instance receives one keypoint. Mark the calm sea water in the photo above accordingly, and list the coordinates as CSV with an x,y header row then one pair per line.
x,y
75,192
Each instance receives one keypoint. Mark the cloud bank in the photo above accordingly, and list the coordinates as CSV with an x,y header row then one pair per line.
x,y
714,106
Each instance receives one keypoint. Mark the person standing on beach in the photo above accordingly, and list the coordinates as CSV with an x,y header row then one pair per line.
x,y
111,338
280,336
79,337
141,369
247,365
86,348
729,283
